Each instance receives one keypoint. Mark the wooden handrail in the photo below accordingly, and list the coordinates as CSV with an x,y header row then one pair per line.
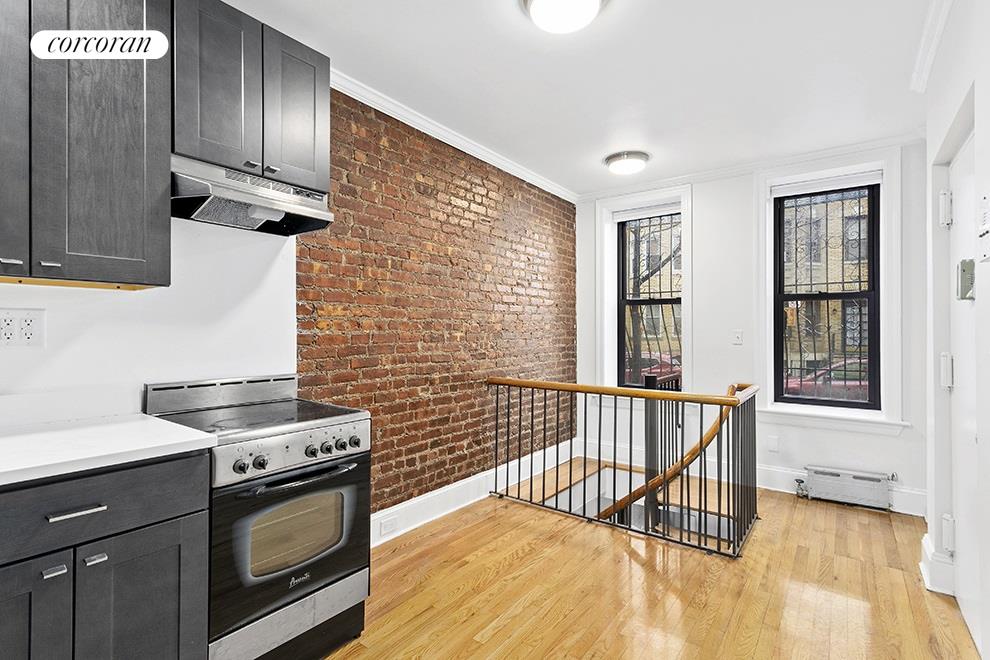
x,y
631,392
675,470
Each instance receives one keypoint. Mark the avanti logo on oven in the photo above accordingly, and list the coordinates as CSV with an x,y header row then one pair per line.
x,y
295,581
99,45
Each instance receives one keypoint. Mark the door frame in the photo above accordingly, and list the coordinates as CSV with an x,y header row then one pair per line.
x,y
937,565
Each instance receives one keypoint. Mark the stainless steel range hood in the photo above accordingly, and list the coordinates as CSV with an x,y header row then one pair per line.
x,y
221,196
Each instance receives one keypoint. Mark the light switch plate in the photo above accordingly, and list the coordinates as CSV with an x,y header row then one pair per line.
x,y
22,327
737,337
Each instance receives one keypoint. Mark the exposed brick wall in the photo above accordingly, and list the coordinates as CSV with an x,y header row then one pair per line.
x,y
439,271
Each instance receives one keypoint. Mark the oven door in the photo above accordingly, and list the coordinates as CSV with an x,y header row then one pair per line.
x,y
278,538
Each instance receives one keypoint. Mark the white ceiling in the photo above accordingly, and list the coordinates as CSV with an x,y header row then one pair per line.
x,y
700,84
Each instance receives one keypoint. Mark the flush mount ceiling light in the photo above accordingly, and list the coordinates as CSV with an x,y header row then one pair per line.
x,y
562,16
627,162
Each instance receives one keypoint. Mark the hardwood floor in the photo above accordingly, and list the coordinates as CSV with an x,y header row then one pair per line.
x,y
505,579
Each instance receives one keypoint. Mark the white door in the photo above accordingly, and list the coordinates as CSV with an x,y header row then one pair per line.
x,y
962,320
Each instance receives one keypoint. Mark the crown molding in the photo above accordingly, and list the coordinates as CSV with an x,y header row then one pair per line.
x,y
369,96
931,36
755,166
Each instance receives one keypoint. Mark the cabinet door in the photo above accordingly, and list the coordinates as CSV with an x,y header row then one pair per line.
x,y
217,52
143,594
297,113
36,608
14,138
100,151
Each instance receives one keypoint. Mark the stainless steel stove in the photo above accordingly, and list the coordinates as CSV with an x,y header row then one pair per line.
x,y
289,516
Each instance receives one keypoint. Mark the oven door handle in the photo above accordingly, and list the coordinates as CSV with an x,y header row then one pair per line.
x,y
262,491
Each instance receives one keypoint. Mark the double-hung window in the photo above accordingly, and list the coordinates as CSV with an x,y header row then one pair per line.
x,y
650,300
827,306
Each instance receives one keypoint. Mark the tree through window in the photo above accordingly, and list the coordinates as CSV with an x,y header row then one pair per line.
x,y
650,263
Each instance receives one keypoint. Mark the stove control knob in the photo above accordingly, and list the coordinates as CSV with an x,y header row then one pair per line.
x,y
312,451
241,467
355,441
260,462
327,447
341,445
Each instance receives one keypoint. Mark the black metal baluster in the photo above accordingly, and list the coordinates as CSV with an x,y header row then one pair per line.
x,y
598,475
556,453
572,413
584,459
519,448
543,500
495,463
629,507
718,487
532,427
615,446
680,501
508,435
703,492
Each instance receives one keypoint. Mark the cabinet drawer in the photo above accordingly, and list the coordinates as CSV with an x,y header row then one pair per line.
x,y
44,518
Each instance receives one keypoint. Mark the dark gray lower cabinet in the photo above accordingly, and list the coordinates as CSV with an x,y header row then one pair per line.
x,y
36,608
143,594
100,143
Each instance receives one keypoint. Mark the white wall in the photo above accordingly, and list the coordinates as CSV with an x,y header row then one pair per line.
x,y
958,97
229,312
727,296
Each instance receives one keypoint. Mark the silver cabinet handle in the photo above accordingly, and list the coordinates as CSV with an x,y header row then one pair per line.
x,y
271,169
96,559
251,163
50,264
11,262
54,571
59,517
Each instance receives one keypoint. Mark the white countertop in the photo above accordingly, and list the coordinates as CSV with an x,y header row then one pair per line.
x,y
52,449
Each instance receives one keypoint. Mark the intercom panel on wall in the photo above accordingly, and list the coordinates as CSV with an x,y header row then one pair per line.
x,y
983,230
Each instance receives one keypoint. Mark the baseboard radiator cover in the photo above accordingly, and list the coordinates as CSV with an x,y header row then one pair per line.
x,y
871,489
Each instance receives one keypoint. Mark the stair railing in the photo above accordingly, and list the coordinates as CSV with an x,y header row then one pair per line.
x,y
659,462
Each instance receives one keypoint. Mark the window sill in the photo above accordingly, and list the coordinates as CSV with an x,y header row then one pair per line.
x,y
825,418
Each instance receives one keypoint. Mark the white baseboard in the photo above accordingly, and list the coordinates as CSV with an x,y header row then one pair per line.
x,y
405,516
910,501
937,568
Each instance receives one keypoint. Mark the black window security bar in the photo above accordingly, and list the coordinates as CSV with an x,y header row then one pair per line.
x,y
662,471
826,298
649,319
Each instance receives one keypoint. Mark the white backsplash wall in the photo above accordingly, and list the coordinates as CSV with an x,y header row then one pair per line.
x,y
230,311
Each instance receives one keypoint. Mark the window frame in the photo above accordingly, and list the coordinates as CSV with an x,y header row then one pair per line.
x,y
624,301
871,294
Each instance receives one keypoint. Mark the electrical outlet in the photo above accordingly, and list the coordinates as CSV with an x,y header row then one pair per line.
x,y
773,443
387,526
22,327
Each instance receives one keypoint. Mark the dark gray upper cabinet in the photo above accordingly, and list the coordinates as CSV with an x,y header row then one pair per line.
x,y
15,195
36,608
101,132
143,594
218,65
297,113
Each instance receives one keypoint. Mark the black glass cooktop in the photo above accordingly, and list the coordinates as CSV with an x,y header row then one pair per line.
x,y
257,420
